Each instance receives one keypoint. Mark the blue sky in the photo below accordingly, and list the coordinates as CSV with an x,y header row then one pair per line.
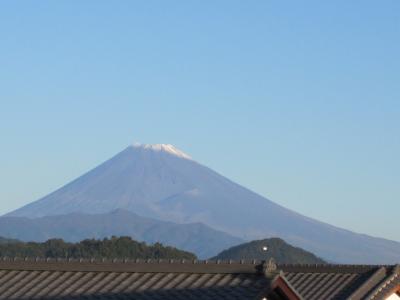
x,y
299,101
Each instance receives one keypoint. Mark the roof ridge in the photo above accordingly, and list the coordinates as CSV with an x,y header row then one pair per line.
x,y
335,265
187,261
331,268
126,265
126,260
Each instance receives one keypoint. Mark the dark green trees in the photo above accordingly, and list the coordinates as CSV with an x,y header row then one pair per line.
x,y
115,247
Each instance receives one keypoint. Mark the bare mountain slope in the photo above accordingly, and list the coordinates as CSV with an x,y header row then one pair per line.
x,y
162,182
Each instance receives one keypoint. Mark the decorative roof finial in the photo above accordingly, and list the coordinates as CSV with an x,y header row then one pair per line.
x,y
268,268
271,266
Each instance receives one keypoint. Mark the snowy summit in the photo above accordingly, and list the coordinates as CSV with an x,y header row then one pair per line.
x,y
163,147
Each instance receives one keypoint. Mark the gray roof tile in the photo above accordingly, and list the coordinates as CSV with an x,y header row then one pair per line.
x,y
85,279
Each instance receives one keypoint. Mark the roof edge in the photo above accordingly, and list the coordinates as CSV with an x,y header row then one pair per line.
x,y
169,265
125,265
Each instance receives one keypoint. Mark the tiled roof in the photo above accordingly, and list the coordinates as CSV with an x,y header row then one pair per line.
x,y
122,279
336,281
389,283
60,279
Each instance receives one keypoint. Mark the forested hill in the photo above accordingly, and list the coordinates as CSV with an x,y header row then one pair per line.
x,y
276,248
7,241
115,247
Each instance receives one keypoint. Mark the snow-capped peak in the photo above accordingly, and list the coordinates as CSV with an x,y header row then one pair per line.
x,y
163,147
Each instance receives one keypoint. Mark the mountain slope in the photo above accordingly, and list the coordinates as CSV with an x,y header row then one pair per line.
x,y
75,227
276,248
162,182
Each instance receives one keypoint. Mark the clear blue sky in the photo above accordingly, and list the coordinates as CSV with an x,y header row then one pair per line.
x,y
297,100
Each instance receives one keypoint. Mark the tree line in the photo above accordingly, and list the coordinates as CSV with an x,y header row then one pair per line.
x,y
114,247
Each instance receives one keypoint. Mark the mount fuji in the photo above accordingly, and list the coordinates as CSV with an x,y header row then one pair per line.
x,y
162,182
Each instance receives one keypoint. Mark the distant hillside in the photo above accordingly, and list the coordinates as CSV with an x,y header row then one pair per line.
x,y
7,241
122,247
195,237
277,248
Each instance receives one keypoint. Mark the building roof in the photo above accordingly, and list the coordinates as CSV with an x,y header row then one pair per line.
x,y
124,279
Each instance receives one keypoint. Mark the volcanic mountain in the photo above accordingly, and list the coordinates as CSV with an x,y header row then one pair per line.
x,y
162,182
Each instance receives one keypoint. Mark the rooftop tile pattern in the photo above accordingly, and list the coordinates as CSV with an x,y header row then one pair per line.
x,y
334,282
124,279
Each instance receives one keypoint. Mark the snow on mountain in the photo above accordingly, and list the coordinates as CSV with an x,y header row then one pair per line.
x,y
163,147
162,182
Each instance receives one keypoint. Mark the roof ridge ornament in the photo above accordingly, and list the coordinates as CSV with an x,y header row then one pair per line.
x,y
268,268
